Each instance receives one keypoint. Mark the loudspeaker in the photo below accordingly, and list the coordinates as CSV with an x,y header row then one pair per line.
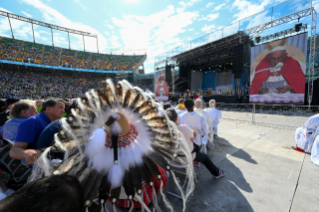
x,y
184,71
238,60
168,74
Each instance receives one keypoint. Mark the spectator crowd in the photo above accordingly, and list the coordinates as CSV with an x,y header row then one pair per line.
x,y
24,51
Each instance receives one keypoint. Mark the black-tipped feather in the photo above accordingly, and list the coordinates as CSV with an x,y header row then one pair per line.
x,y
104,189
129,97
88,183
137,102
152,167
159,160
157,122
146,106
128,186
95,188
115,193
149,114
163,151
145,174
135,179
103,98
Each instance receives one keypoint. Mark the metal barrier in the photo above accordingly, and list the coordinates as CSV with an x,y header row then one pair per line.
x,y
282,116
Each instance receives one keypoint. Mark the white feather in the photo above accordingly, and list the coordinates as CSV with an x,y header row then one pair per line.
x,y
116,128
115,115
115,176
96,143
104,160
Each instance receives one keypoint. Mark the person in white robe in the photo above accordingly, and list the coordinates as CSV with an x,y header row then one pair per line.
x,y
180,109
215,114
199,109
305,135
315,151
180,102
196,122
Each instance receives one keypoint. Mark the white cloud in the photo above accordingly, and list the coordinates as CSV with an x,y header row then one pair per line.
x,y
208,28
5,10
80,4
157,32
210,17
247,8
192,2
219,7
110,26
26,14
209,4
53,16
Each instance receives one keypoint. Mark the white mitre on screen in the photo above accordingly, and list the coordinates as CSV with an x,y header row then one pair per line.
x,y
278,48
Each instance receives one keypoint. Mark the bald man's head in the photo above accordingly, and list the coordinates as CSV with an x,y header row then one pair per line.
x,y
198,103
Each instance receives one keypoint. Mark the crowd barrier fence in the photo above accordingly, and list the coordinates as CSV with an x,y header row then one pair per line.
x,y
275,115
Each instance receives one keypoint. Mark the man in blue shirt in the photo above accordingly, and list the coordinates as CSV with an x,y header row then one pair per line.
x,y
30,129
19,113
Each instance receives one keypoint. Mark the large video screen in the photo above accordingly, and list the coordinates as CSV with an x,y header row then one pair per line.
x,y
161,86
278,71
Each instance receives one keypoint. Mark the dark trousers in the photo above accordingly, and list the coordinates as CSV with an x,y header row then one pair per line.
x,y
204,159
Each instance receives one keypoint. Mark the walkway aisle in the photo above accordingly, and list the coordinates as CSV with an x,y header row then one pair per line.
x,y
262,172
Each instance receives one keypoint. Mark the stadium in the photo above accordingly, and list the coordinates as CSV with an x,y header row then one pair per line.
x,y
131,110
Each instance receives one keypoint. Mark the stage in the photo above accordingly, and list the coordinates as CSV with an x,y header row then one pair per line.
x,y
218,98
221,98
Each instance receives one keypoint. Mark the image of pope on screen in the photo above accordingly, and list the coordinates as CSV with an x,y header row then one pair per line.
x,y
278,71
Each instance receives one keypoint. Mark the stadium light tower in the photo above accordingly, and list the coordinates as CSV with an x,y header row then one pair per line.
x,y
47,25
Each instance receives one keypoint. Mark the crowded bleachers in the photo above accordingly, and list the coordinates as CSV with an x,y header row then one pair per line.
x,y
53,84
4,76
97,61
31,51
68,58
45,84
79,84
9,48
23,85
24,51
51,56
82,60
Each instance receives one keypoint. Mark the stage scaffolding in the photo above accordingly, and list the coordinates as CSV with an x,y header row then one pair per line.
x,y
253,32
50,26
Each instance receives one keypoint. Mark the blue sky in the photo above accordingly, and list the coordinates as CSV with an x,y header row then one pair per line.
x,y
128,26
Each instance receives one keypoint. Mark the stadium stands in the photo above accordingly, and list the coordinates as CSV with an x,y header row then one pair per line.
x,y
54,84
9,48
68,58
51,56
44,84
4,76
24,85
31,52
82,60
24,51
38,82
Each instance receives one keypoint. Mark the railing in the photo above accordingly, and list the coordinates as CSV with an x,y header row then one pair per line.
x,y
281,116
278,116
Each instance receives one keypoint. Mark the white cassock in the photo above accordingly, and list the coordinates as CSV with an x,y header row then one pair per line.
x,y
198,124
304,136
315,151
215,115
209,121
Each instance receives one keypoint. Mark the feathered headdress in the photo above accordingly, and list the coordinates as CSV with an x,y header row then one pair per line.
x,y
114,140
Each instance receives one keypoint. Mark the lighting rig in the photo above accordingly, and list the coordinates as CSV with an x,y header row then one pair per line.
x,y
279,35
